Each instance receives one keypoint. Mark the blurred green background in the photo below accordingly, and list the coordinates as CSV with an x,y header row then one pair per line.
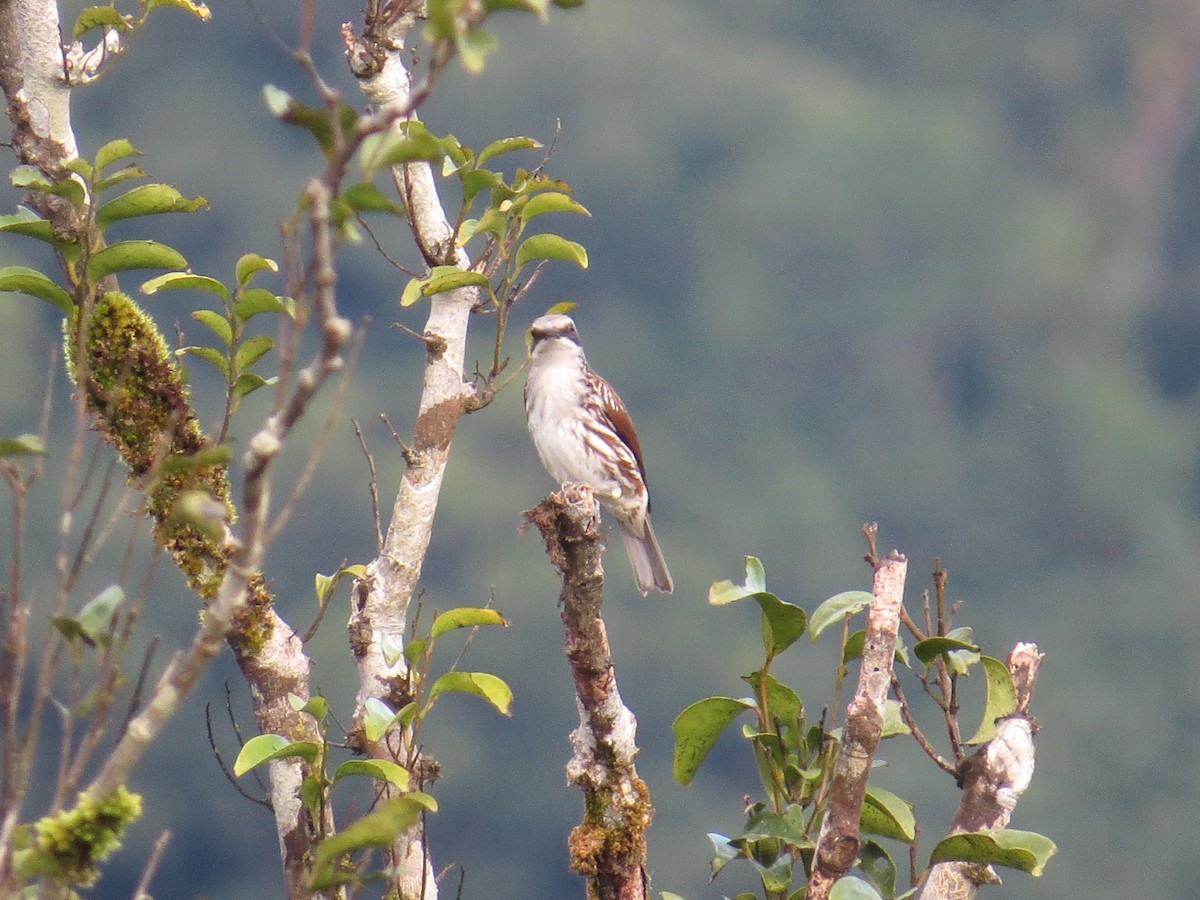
x,y
932,264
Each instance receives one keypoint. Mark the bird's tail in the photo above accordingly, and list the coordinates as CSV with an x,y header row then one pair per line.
x,y
649,568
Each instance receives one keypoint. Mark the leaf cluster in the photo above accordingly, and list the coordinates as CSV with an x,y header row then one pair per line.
x,y
795,755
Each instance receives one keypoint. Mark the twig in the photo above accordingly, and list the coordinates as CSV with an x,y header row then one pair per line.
x,y
372,486
142,892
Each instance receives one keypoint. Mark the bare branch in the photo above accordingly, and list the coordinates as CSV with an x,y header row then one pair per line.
x,y
838,842
609,846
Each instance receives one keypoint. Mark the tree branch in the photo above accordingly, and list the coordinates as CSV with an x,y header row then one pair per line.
x,y
609,846
993,780
838,842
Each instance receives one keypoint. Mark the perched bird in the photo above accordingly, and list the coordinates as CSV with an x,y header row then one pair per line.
x,y
584,436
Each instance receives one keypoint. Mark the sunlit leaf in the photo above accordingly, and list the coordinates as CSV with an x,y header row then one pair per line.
x,y
197,9
696,730
172,281
71,188
837,608
398,147
208,354
32,282
1027,851
375,829
25,221
465,617
217,323
252,350
876,863
850,887
377,718
551,201
133,255
723,592
507,145
887,815
113,151
449,278
96,616
551,246
474,47
250,264
382,769
265,747
481,684
147,200
1001,699
366,197
249,382
98,17
218,455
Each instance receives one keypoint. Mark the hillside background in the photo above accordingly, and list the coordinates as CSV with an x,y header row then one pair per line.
x,y
925,263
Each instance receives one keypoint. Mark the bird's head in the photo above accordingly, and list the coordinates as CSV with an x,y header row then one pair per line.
x,y
553,330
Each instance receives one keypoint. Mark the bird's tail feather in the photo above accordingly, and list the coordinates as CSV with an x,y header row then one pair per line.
x,y
649,568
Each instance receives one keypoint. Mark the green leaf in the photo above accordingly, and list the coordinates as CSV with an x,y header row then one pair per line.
x,y
377,718
116,150
25,221
929,649
782,623
96,616
539,7
98,17
71,188
481,684
851,888
376,829
410,144
265,747
252,301
218,323
366,197
893,721
696,730
121,175
22,445
1001,699
783,703
551,201
327,584
876,863
35,284
960,661
208,354
412,292
249,382
250,265
173,281
888,815
562,308
317,707
507,145
382,769
723,592
126,255
252,351
147,200
1024,850
449,278
195,7
391,648
551,246
465,617
474,47
836,608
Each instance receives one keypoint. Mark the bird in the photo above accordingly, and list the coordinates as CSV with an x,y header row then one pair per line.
x,y
584,436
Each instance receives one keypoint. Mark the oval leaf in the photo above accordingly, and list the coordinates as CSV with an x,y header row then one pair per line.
x,y
888,815
133,255
1024,850
375,829
481,684
35,284
929,649
507,145
447,278
377,718
696,730
381,769
210,354
250,265
551,246
96,616
181,280
465,617
852,888
782,623
836,608
551,201
266,747
115,151
1001,699
147,200
22,445
252,350
217,323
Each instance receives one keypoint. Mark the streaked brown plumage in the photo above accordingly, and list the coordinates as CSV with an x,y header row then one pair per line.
x,y
584,435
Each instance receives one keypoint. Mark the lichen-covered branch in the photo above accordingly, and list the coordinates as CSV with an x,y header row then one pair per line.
x,y
993,780
839,841
609,846
380,606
